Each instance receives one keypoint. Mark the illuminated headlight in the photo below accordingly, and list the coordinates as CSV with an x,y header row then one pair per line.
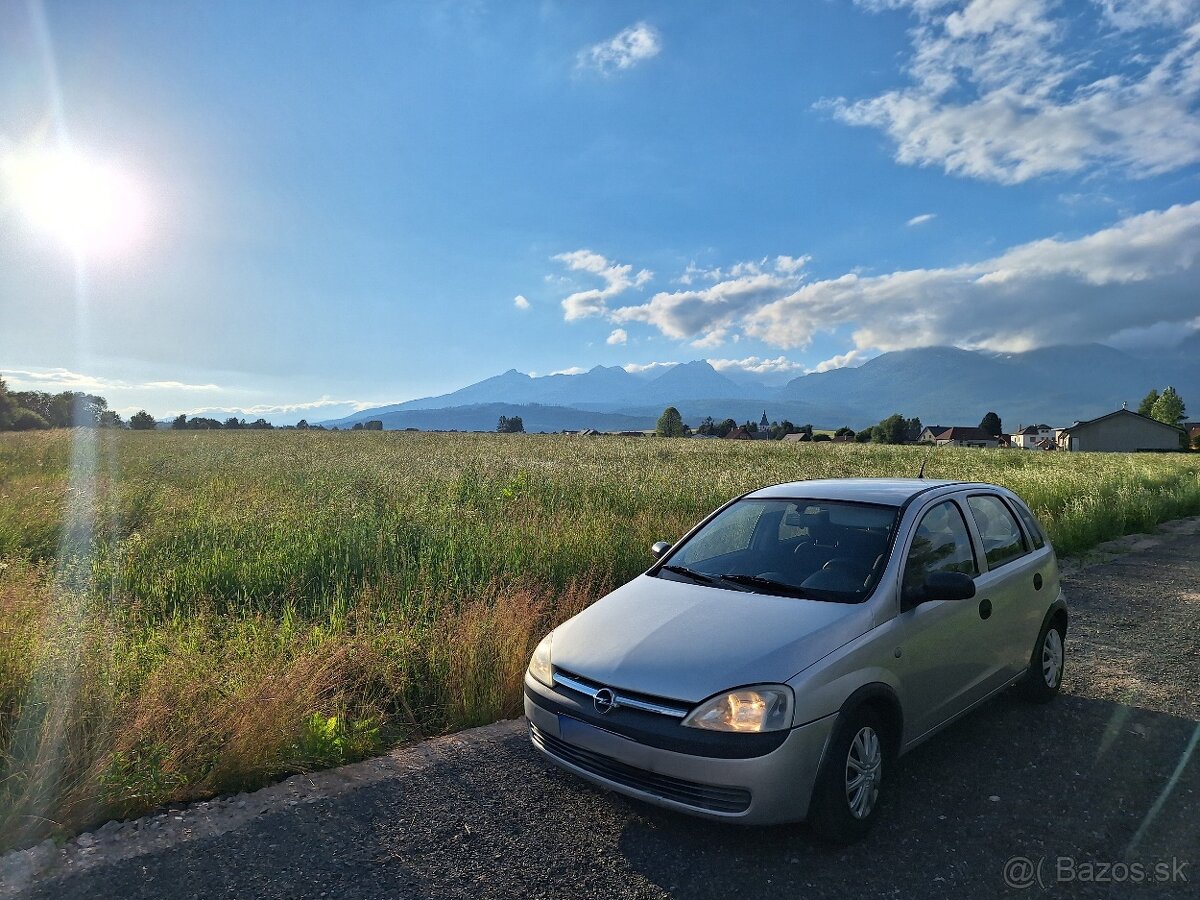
x,y
539,666
767,707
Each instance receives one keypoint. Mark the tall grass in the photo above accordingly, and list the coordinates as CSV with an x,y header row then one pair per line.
x,y
252,604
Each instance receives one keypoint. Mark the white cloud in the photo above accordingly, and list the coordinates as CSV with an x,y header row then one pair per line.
x,y
283,409
755,365
705,316
57,380
651,368
840,361
618,336
625,50
1045,292
520,302
574,370
1050,291
998,93
617,279
921,219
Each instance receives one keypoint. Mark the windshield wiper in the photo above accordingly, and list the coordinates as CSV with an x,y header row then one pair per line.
x,y
690,573
769,584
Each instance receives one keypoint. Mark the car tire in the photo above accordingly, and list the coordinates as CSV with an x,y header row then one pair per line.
x,y
1044,676
842,811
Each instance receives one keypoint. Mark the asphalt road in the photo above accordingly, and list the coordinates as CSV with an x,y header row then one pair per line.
x,y
1084,789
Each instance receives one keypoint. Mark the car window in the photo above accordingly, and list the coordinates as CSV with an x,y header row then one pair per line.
x,y
731,532
1001,535
816,549
941,543
1031,526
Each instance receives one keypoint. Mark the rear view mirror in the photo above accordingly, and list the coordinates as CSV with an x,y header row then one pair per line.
x,y
659,548
948,586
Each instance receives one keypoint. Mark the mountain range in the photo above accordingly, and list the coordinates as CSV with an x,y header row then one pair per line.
x,y
1056,385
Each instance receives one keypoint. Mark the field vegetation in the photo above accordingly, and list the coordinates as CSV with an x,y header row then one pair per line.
x,y
183,613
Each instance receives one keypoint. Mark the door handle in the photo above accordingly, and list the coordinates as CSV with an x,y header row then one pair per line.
x,y
1037,581
985,608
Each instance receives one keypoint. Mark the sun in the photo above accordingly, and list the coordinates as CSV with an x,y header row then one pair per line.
x,y
96,209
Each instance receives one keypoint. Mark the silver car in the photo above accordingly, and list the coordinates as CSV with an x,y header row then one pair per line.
x,y
771,665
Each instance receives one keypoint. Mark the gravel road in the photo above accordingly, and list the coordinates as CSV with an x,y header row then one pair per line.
x,y
1101,776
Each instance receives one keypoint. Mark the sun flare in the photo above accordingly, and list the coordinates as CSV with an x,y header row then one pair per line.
x,y
96,209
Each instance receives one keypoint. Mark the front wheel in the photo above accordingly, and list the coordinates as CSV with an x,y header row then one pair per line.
x,y
1044,676
846,796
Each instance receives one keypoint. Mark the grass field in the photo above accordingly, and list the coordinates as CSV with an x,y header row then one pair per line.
x,y
183,613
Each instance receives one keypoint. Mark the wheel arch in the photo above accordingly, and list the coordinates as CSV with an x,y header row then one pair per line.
x,y
883,700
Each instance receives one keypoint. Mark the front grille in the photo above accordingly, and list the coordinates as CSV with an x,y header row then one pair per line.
x,y
700,796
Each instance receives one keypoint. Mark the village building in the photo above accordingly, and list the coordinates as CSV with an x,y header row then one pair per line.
x,y
1122,431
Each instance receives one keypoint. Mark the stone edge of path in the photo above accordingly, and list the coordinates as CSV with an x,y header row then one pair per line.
x,y
116,841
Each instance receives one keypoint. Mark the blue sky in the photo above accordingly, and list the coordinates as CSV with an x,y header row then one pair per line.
x,y
341,203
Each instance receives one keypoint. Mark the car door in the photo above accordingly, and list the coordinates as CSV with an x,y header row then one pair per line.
x,y
945,659
1010,585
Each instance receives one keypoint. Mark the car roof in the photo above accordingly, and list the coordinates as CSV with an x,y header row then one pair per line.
x,y
883,491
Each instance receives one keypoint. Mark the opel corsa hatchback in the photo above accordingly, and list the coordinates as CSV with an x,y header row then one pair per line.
x,y
771,665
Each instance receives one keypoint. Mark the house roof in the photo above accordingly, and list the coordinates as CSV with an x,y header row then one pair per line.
x,y
1119,412
795,437
968,433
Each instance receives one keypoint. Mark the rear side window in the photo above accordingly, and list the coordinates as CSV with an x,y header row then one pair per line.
x,y
941,543
1031,526
1001,535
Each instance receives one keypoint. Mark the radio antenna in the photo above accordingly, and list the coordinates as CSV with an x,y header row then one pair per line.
x,y
921,473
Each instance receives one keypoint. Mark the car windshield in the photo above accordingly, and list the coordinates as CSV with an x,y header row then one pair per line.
x,y
814,549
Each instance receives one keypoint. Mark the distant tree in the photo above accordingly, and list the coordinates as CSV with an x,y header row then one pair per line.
x,y
844,431
865,436
234,422
707,426
1146,407
109,419
506,425
1169,407
1196,442
21,419
179,422
821,437
377,424
913,430
302,424
750,426
6,406
670,424
203,423
892,430
260,424
779,430
357,426
991,424
724,427
141,421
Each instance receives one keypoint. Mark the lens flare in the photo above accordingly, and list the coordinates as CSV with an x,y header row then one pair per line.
x,y
96,209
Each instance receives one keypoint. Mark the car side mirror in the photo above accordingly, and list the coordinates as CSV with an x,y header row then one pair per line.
x,y
948,586
659,548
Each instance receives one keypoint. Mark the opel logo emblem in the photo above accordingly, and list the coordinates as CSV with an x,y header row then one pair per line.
x,y
605,701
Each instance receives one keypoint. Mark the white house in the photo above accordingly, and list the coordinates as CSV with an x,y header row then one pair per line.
x,y
1033,437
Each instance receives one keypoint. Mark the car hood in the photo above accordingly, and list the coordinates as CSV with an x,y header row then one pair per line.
x,y
687,642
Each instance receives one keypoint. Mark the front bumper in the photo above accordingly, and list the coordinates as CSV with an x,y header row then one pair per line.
x,y
773,787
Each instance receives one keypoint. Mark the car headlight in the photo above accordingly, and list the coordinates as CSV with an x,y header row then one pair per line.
x,y
764,708
539,665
